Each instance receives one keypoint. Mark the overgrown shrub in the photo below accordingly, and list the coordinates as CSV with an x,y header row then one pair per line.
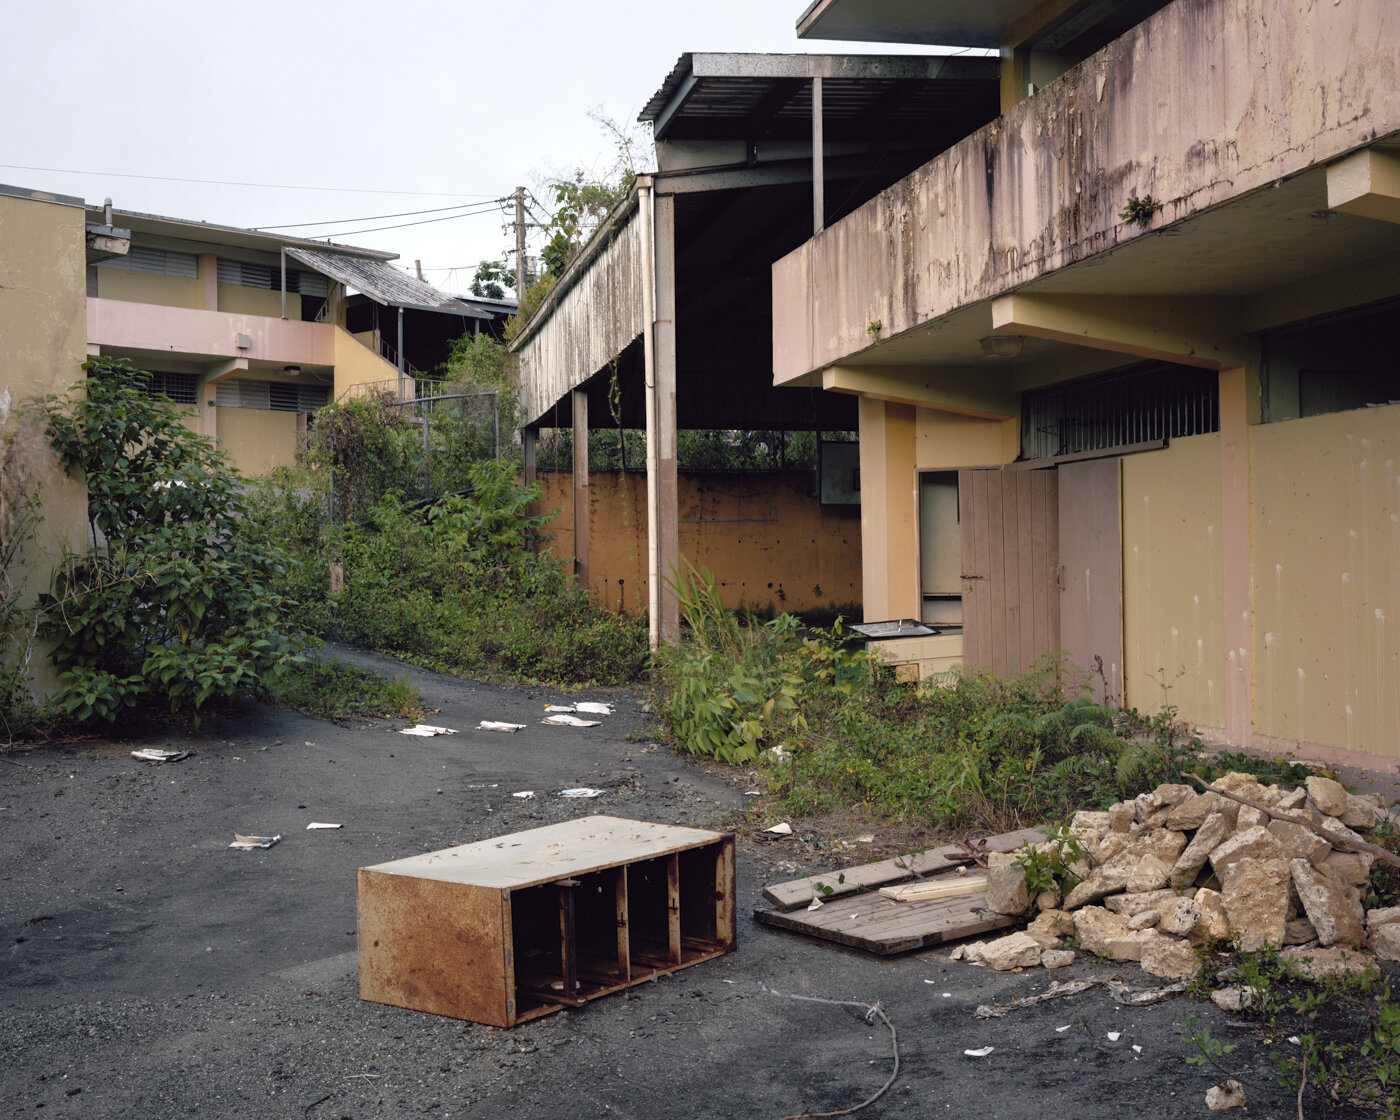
x,y
176,602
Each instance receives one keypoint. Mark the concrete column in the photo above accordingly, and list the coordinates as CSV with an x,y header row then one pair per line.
x,y
209,272
1235,412
528,439
580,402
818,160
667,627
889,523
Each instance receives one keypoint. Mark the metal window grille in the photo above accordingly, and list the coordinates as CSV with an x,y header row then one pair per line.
x,y
1149,401
279,396
249,275
161,262
182,388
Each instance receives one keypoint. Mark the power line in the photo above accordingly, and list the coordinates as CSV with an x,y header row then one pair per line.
x,y
377,217
230,183
401,225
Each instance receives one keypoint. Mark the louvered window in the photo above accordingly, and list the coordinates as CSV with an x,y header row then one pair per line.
x,y
280,396
161,262
182,388
249,275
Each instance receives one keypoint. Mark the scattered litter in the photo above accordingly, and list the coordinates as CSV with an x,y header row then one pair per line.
x,y
1293,1038
817,904
570,721
781,829
930,981
322,824
581,791
498,725
1114,1036
979,1053
1123,993
596,707
753,793
525,795
777,753
1137,1049
1228,1094
240,841
947,995
1061,1030
424,731
152,754
559,708
866,839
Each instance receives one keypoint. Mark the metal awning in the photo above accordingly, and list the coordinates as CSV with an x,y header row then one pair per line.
x,y
383,283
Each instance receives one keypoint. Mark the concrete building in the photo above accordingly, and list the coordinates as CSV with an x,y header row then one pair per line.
x,y
1124,358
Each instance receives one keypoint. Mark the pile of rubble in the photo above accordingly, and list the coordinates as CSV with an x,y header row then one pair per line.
x,y
1172,869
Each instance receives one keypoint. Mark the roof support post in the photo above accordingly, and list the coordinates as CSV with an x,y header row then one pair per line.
x,y
1235,418
529,437
666,510
284,282
818,160
580,487
399,356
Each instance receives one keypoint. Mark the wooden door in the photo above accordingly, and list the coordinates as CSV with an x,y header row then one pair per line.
x,y
1010,573
1091,562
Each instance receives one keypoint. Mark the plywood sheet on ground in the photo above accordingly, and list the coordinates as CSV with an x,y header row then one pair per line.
x,y
881,925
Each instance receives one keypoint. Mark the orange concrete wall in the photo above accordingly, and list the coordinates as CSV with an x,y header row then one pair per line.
x,y
762,533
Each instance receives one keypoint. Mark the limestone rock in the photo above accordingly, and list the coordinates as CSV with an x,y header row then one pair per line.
x,y
1292,801
1181,918
1384,942
1192,812
1050,928
1148,919
1087,818
1342,836
1208,837
1255,899
1169,958
1056,958
1168,794
1096,886
1006,884
1298,931
971,952
1233,999
1234,782
1228,1094
1110,846
1333,909
1250,817
1214,924
1299,842
1384,916
1015,950
1130,905
1328,796
1315,964
1149,875
1047,900
1360,813
1121,817
1094,925
1350,867
1252,843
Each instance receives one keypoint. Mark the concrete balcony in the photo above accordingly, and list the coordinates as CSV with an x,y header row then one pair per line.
x,y
1241,118
191,335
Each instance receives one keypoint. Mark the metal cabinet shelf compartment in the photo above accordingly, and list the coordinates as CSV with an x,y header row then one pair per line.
x,y
509,929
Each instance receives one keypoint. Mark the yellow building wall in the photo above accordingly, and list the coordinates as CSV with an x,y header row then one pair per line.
x,y
146,287
356,364
947,441
763,534
239,300
1173,599
1326,572
258,439
43,343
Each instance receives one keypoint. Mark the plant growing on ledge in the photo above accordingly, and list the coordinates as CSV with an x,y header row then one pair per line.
x,y
873,329
1139,211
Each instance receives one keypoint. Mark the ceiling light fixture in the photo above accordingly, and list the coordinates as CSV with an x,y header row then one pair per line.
x,y
1002,345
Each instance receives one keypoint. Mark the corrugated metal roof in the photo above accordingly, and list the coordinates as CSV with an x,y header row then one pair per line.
x,y
381,282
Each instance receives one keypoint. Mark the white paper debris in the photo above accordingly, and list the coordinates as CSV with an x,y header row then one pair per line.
x,y
1061,1030
1293,1038
930,981
581,791
777,754
979,1053
559,708
240,841
1114,1036
570,721
753,793
424,731
152,754
782,829
1137,1049
498,725
525,795
322,824
817,904
597,707
867,839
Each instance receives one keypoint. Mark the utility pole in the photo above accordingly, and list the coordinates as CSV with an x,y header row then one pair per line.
x,y
520,280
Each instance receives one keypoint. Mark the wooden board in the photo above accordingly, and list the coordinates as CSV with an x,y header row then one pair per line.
x,y
948,886
797,893
885,927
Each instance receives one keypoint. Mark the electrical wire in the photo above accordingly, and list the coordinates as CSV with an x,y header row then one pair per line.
x,y
230,183
400,225
377,217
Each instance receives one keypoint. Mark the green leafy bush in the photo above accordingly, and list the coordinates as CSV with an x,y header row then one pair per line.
x,y
176,601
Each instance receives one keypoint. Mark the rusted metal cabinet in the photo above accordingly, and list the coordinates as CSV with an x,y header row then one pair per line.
x,y
510,929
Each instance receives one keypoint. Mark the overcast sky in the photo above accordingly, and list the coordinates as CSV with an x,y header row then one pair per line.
x,y
428,103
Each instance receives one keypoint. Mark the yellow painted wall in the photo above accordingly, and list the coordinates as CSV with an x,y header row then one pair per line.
x,y
43,342
947,441
239,300
356,364
146,287
1173,601
769,542
1326,571
258,439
